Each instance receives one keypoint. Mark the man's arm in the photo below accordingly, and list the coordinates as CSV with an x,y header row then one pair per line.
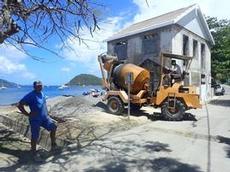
x,y
22,108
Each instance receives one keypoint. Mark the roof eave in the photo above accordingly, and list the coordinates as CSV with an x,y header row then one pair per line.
x,y
140,31
186,12
212,41
198,12
174,21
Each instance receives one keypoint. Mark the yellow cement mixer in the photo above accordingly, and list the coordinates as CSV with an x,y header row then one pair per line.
x,y
173,98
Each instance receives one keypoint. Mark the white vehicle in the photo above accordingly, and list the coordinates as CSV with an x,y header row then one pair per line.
x,y
219,90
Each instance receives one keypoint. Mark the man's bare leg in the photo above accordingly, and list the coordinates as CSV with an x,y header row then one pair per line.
x,y
33,145
53,138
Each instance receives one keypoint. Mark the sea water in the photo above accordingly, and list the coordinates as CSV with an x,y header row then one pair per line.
x,y
12,95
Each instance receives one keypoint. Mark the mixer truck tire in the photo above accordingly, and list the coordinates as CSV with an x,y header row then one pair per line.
x,y
173,115
115,105
135,107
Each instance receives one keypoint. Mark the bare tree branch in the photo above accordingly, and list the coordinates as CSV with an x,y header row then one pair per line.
x,y
147,2
39,20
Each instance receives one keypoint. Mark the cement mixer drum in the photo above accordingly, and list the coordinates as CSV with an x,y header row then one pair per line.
x,y
141,77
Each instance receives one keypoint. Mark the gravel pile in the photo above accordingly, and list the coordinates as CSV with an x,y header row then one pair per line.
x,y
75,107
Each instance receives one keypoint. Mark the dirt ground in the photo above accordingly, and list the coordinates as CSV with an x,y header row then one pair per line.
x,y
105,142
85,118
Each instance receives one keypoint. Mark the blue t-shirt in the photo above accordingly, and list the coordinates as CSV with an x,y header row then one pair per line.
x,y
37,104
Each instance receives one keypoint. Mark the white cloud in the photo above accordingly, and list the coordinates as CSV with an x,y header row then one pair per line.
x,y
11,63
28,75
212,8
65,69
93,46
12,53
86,54
8,67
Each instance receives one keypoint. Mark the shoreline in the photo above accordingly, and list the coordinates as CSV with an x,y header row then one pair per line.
x,y
13,95
67,102
12,108
49,99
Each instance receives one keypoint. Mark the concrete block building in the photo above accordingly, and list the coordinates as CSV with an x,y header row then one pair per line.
x,y
183,32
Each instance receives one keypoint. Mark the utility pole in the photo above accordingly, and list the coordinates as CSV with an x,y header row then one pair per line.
x,y
129,81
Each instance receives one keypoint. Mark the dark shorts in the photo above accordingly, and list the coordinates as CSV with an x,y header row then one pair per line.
x,y
35,125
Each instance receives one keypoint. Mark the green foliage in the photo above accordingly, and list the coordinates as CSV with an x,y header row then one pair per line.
x,y
220,57
85,79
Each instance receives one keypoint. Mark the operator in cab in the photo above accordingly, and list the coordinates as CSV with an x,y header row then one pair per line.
x,y
175,72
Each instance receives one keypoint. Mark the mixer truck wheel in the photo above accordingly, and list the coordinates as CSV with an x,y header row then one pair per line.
x,y
135,107
176,114
115,105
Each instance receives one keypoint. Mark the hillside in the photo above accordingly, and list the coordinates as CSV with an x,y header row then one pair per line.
x,y
6,83
85,79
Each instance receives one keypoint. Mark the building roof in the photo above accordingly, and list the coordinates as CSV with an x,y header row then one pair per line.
x,y
163,20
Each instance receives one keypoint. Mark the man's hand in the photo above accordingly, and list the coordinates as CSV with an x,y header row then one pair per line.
x,y
22,109
33,113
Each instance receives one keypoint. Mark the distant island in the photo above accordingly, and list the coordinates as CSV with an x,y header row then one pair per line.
x,y
5,83
85,79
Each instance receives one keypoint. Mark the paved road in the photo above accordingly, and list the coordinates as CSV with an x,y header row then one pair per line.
x,y
195,144
227,89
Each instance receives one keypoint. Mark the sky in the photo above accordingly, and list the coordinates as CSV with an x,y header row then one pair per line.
x,y
18,67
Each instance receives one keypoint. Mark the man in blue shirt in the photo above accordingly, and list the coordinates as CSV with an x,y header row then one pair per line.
x,y
38,115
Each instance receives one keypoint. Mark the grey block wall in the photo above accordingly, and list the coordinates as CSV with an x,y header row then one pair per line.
x,y
195,69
